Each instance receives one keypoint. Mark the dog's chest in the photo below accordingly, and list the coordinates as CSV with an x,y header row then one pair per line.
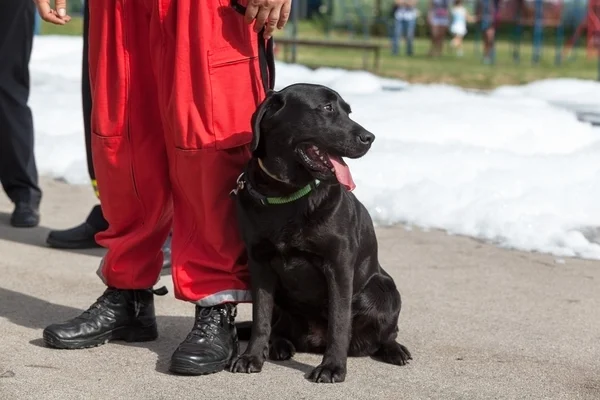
x,y
299,272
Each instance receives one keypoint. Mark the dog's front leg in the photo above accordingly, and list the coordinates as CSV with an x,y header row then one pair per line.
x,y
263,286
339,284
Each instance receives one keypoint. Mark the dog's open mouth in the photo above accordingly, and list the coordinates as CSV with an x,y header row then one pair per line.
x,y
320,161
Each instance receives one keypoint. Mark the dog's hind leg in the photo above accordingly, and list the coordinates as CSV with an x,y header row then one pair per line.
x,y
281,349
393,353
292,333
375,324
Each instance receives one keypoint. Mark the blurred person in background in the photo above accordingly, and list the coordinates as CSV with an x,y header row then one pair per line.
x,y
18,170
83,235
460,17
404,13
490,13
439,20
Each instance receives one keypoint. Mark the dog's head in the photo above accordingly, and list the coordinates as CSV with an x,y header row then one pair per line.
x,y
303,131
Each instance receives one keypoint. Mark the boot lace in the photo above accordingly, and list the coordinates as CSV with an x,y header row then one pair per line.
x,y
110,296
209,320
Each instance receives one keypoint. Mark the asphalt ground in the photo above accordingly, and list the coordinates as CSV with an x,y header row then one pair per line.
x,y
482,322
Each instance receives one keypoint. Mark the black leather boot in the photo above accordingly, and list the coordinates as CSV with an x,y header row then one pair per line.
x,y
25,215
211,345
116,315
82,235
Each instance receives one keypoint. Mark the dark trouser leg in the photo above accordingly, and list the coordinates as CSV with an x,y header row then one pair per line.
x,y
18,171
96,218
410,35
82,236
86,94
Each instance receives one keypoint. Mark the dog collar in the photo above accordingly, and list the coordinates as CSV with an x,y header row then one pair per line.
x,y
243,183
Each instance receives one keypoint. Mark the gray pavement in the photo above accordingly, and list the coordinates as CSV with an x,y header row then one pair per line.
x,y
482,323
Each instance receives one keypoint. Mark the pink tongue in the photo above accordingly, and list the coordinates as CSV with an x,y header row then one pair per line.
x,y
342,173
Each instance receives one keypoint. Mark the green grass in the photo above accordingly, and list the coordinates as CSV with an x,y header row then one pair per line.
x,y
467,71
73,28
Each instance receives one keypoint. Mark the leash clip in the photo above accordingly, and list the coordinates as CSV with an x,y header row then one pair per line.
x,y
239,186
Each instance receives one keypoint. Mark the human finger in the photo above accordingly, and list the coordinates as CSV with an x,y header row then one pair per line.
x,y
252,10
261,18
46,12
285,14
272,21
61,8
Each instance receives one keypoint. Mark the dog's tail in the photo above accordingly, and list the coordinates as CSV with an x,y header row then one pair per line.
x,y
393,353
243,330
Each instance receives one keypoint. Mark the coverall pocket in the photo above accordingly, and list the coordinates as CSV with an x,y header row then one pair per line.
x,y
236,92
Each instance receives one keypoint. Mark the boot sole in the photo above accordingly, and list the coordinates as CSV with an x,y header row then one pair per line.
x,y
79,245
24,225
190,368
130,335
185,366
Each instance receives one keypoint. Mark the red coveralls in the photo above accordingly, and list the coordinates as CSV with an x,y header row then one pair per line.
x,y
174,85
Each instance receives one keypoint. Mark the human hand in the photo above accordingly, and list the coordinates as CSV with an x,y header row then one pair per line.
x,y
58,16
268,14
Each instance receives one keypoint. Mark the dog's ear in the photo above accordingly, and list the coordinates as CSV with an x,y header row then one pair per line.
x,y
272,104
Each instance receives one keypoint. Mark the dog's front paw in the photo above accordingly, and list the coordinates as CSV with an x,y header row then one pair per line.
x,y
281,349
247,363
328,373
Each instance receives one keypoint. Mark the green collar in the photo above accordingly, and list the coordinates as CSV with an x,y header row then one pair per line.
x,y
298,194
243,183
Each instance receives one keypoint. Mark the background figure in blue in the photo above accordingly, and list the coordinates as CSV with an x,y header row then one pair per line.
x,y
460,17
18,169
405,21
490,14
83,235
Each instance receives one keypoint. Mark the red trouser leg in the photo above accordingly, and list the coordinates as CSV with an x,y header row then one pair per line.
x,y
207,84
206,58
128,147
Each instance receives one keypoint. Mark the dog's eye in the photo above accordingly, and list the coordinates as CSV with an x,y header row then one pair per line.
x,y
328,107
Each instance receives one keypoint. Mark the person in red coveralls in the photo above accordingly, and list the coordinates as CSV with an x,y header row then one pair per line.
x,y
174,85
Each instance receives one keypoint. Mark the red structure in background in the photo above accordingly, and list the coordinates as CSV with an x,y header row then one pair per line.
x,y
527,12
593,28
524,12
591,24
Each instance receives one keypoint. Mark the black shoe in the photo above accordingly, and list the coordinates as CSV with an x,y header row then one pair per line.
x,y
82,236
211,345
116,315
167,253
26,215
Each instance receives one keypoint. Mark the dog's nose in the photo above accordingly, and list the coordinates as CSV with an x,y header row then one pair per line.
x,y
366,137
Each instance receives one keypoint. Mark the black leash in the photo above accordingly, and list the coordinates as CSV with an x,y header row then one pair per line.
x,y
266,53
266,61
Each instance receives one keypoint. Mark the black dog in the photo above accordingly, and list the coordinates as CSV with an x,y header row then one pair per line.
x,y
317,284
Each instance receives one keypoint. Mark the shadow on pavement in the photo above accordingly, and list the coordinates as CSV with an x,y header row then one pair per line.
x,y
36,237
34,313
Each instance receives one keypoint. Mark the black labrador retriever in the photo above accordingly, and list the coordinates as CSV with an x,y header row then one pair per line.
x,y
317,284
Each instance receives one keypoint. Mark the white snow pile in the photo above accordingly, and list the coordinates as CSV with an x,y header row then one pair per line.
x,y
510,167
